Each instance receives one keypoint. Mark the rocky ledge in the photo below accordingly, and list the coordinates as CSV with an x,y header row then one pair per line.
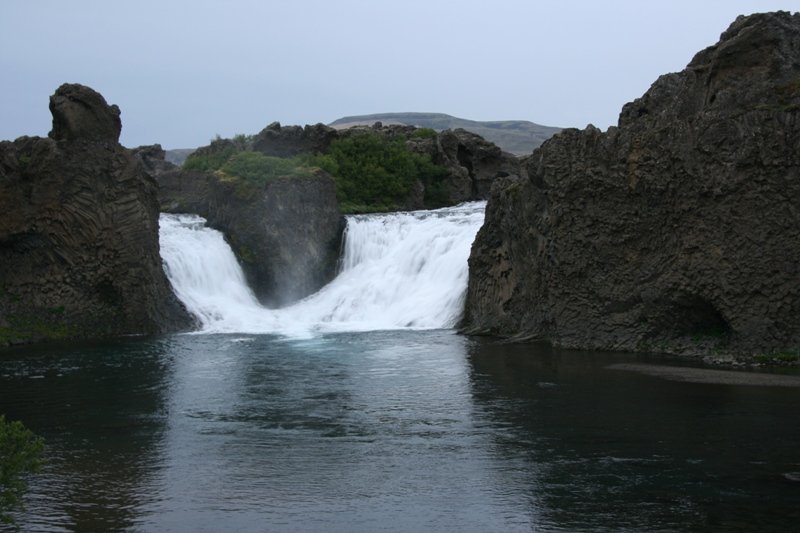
x,y
79,254
678,231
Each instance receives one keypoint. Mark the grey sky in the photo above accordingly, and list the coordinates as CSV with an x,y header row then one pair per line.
x,y
183,71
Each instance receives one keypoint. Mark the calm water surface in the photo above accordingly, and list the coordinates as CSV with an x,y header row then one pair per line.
x,y
393,431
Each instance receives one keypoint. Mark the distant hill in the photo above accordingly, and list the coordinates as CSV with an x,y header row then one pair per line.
x,y
519,137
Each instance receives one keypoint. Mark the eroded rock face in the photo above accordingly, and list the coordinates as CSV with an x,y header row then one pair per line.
x,y
677,231
79,232
286,234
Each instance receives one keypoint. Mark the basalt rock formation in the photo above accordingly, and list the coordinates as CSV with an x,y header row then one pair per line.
x,y
472,162
677,231
79,254
286,233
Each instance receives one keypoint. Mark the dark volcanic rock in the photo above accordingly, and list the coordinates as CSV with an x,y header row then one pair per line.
x,y
153,157
677,231
474,163
286,234
81,113
286,141
79,232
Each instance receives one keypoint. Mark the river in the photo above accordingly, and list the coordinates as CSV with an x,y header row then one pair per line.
x,y
360,409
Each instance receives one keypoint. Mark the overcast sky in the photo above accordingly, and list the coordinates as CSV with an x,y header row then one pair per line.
x,y
184,71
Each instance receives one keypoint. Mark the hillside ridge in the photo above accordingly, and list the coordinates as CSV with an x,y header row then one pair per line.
x,y
518,137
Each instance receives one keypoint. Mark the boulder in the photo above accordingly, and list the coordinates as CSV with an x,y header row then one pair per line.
x,y
678,231
79,254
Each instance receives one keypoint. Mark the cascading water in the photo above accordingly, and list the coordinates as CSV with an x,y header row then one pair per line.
x,y
204,272
399,270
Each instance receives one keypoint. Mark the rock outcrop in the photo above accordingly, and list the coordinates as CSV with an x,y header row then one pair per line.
x,y
287,141
286,233
677,231
472,162
79,254
153,158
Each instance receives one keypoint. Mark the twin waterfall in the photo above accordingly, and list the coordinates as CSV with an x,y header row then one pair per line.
x,y
398,270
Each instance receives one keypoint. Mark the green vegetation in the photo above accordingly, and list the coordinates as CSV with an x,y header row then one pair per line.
x,y
216,154
778,358
424,133
20,454
374,173
233,158
211,159
258,168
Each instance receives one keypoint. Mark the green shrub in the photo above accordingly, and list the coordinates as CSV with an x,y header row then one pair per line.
x,y
424,133
207,160
216,154
374,173
20,454
258,168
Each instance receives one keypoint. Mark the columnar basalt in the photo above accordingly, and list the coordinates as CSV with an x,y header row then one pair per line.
x,y
79,254
677,231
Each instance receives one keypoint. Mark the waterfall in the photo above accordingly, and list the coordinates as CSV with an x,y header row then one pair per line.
x,y
399,270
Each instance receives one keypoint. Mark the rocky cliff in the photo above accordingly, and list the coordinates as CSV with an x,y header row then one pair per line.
x,y
285,233
79,231
677,231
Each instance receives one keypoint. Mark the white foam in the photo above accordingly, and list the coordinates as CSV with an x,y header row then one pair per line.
x,y
399,270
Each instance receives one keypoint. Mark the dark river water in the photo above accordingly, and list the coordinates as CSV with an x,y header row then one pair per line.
x,y
393,431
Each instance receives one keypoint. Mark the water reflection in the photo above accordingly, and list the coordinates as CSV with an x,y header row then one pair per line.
x,y
100,409
604,448
392,431
348,432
